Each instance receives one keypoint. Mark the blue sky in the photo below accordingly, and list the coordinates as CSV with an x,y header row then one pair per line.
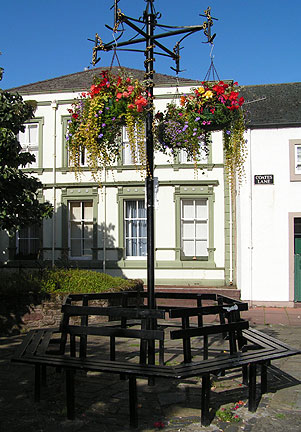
x,y
257,42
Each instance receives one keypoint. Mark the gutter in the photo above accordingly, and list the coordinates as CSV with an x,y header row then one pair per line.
x,y
54,106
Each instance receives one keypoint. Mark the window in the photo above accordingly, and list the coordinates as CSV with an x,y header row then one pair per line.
x,y
298,159
28,242
194,227
203,158
29,140
80,229
135,228
65,156
127,153
295,159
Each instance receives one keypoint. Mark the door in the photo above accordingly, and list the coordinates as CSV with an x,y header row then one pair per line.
x,y
297,254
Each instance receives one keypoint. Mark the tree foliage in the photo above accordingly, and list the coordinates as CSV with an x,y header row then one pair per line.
x,y
19,204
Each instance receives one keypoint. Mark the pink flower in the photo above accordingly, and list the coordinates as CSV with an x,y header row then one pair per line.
x,y
119,96
159,425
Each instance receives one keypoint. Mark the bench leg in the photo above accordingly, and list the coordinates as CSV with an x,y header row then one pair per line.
x,y
161,352
37,383
245,375
151,360
205,420
252,387
44,376
133,401
70,394
264,378
112,348
72,346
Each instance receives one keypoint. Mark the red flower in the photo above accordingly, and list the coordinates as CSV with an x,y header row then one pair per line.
x,y
219,89
75,116
241,101
140,102
159,425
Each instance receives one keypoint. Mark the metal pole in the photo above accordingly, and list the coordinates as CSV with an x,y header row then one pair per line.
x,y
149,63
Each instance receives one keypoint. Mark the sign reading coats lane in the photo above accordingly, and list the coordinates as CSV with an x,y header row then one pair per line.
x,y
264,179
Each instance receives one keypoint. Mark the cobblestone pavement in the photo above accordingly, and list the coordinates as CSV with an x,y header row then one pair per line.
x,y
102,399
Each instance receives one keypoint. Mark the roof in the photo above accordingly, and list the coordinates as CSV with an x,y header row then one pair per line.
x,y
267,105
272,105
81,81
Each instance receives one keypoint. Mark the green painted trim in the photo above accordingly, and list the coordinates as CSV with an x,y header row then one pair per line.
x,y
59,102
167,265
119,167
64,121
191,282
227,228
39,168
79,194
127,193
44,103
133,183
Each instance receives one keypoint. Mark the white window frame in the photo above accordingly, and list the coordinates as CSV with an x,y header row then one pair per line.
x,y
194,221
130,238
183,157
29,238
297,159
127,158
27,145
82,221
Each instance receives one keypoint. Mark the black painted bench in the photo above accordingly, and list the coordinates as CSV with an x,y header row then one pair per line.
x,y
247,348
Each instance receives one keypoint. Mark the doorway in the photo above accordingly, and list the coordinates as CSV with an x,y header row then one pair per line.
x,y
297,259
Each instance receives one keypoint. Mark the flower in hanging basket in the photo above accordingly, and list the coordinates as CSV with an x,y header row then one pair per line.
x,y
212,106
98,116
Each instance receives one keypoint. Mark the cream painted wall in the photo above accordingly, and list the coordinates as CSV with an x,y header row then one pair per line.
x,y
165,223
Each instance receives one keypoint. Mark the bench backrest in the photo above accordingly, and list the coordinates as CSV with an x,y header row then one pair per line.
x,y
119,324
232,329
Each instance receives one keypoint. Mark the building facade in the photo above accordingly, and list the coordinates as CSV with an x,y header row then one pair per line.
x,y
202,237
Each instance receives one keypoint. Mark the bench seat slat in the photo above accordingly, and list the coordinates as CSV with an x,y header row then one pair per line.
x,y
100,365
35,342
270,339
42,348
261,340
195,369
21,349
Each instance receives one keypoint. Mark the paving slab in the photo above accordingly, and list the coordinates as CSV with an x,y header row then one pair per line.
x,y
102,405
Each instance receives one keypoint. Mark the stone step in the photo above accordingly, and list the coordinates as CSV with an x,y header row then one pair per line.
x,y
226,291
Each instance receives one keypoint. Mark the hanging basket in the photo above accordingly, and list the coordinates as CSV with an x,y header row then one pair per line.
x,y
98,116
211,107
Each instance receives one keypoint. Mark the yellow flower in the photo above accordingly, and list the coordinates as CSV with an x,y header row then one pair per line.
x,y
201,90
208,94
